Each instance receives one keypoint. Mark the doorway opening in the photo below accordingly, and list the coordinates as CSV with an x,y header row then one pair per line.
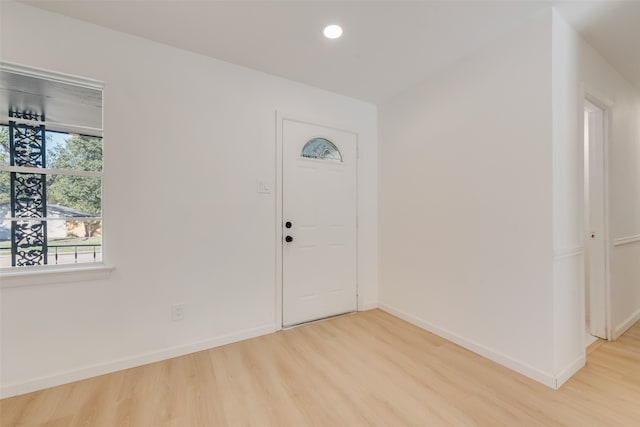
x,y
595,221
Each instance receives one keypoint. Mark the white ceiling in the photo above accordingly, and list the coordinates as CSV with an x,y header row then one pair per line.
x,y
612,28
386,48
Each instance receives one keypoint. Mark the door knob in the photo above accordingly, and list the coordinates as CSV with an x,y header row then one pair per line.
x,y
288,224
288,239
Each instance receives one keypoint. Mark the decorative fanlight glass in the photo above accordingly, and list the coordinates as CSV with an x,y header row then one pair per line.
x,y
321,149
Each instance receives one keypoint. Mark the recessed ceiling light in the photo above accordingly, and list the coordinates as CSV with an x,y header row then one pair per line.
x,y
332,31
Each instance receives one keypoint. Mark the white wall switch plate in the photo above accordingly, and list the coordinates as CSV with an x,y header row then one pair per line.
x,y
264,187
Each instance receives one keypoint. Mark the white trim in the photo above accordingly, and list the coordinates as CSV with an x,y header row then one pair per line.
x,y
570,370
607,117
43,275
624,326
279,222
592,95
41,73
589,339
370,305
48,171
589,94
626,240
357,225
502,359
568,253
107,367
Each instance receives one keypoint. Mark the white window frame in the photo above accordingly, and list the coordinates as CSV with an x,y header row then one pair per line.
x,y
61,273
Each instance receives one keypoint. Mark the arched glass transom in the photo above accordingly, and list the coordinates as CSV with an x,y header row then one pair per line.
x,y
322,149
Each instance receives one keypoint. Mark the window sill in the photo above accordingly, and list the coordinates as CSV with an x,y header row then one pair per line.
x,y
10,278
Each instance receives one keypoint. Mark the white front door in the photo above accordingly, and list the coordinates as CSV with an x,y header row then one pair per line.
x,y
319,222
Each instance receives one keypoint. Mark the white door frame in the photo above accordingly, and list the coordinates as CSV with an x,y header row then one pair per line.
x,y
605,105
280,116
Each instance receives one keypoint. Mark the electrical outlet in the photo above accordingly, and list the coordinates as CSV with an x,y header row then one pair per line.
x,y
177,312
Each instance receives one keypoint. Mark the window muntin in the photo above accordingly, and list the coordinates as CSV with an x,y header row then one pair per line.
x,y
321,149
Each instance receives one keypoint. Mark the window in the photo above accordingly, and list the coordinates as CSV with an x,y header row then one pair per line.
x,y
50,171
322,149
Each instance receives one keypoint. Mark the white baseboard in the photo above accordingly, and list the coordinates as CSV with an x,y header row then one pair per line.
x,y
624,326
589,339
8,390
368,306
570,370
502,359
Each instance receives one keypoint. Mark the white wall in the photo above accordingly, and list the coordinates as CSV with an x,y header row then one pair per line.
x,y
185,131
568,207
589,72
481,200
465,178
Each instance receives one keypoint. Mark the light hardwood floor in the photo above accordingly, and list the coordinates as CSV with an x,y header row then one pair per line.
x,y
363,369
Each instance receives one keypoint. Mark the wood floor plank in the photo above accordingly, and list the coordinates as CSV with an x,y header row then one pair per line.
x,y
364,369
